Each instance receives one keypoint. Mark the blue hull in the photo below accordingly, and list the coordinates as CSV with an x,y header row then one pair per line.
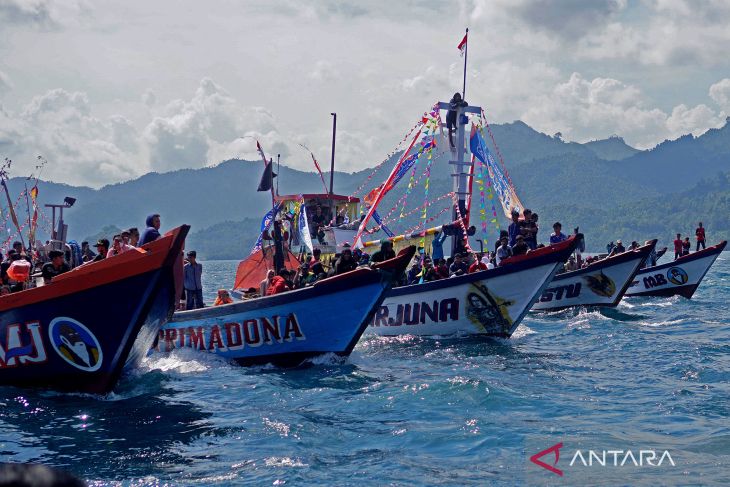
x,y
285,329
79,332
37,350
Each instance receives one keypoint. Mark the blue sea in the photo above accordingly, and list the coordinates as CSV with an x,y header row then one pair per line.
x,y
651,375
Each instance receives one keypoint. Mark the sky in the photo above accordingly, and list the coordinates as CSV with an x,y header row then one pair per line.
x,y
108,91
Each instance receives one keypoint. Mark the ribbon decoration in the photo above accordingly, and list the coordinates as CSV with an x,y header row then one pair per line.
x,y
387,158
266,222
381,225
316,165
413,211
383,189
303,225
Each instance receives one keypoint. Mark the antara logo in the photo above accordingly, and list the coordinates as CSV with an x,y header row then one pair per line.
x,y
601,458
553,449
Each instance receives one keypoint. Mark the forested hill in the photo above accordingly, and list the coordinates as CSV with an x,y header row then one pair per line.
x,y
607,187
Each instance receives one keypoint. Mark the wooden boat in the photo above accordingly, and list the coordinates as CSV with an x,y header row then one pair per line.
x,y
78,332
681,276
289,328
602,283
491,302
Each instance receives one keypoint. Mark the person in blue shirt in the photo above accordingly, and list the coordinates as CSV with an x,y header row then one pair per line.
x,y
437,246
514,228
193,272
152,232
557,236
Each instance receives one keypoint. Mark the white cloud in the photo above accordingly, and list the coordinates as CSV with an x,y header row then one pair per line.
x,y
5,83
720,94
324,71
588,109
42,13
149,98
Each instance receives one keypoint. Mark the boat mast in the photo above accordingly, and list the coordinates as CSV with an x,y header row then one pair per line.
x,y
278,244
332,165
461,170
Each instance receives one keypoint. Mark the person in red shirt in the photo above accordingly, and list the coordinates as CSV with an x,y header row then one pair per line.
x,y
278,283
678,246
442,270
478,265
700,234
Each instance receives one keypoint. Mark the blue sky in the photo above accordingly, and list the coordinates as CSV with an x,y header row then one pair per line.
x,y
108,91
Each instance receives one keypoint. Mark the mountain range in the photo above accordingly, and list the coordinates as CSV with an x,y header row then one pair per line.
x,y
606,187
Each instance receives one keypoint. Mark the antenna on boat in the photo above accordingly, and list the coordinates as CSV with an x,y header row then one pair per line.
x,y
332,165
278,171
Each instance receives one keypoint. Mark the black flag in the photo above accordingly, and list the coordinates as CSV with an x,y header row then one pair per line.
x,y
267,178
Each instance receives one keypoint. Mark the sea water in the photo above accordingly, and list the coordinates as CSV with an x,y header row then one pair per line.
x,y
650,375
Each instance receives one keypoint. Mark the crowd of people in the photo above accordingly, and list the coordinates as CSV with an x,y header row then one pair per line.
x,y
520,238
39,265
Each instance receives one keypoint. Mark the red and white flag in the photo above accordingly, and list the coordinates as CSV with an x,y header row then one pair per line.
x,y
462,45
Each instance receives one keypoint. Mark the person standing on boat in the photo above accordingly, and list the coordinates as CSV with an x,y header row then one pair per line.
x,y
345,263
557,236
686,246
700,234
279,283
193,284
264,285
102,248
521,247
454,105
386,252
87,255
152,232
459,267
514,228
618,248
55,267
678,246
437,246
133,237
503,251
318,223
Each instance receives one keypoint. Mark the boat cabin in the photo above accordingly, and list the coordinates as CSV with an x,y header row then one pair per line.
x,y
332,219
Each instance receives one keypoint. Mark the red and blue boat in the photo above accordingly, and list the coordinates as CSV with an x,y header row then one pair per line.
x,y
82,330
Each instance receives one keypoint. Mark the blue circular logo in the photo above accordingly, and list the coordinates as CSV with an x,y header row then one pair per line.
x,y
75,344
677,275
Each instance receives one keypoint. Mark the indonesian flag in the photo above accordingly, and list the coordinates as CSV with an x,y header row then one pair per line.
x,y
462,45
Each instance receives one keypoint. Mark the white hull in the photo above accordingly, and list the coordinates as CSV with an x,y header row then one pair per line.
x,y
600,284
483,303
680,277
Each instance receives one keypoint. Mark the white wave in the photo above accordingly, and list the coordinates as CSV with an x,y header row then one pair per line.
x,y
281,428
522,331
284,462
662,323
327,359
183,361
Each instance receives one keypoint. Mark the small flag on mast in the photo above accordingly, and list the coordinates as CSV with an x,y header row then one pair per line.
x,y
462,44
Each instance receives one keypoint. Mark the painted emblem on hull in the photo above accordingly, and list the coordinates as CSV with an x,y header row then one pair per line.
x,y
677,275
487,310
75,344
601,284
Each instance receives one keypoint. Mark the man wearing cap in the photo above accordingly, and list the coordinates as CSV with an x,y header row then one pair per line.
x,y
55,267
102,247
193,271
